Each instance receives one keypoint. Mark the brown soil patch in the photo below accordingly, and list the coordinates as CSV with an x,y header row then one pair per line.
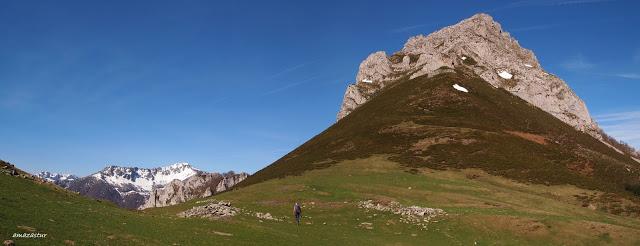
x,y
584,168
346,147
26,228
517,225
600,232
539,139
427,142
404,127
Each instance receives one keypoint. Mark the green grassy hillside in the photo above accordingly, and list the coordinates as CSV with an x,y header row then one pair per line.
x,y
480,207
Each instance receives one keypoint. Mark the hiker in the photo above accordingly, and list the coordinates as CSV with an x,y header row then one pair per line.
x,y
297,211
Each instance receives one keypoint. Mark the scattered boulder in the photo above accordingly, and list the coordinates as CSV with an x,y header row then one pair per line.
x,y
9,243
415,215
266,216
214,210
367,225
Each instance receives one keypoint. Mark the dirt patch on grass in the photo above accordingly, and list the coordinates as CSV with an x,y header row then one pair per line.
x,y
539,139
516,225
592,231
404,127
425,143
346,147
292,187
610,203
26,228
583,168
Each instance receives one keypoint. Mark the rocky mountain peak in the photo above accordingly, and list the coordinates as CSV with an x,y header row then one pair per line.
x,y
480,45
143,179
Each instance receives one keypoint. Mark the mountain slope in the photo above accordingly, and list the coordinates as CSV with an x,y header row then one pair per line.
x,y
425,122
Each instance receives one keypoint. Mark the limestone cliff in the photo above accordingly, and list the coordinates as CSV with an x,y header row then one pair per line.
x,y
197,186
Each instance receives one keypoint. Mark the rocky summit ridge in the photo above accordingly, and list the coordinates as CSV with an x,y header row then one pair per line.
x,y
479,44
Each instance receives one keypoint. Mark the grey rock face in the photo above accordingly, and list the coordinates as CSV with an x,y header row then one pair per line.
x,y
375,68
197,186
480,44
98,189
229,180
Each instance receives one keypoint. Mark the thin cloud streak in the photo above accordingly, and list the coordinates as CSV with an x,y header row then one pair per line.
x,y
287,70
622,125
279,89
409,28
628,75
578,62
546,3
629,115
572,2
535,28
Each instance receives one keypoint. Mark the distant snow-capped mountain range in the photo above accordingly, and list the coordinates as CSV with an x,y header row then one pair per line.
x,y
144,179
59,179
133,187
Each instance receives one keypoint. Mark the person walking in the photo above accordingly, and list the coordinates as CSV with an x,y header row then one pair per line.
x,y
297,212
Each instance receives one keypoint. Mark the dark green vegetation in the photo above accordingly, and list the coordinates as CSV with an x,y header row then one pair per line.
x,y
424,122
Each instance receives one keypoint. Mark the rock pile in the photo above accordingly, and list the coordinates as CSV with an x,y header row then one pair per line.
x,y
266,216
211,211
414,215
223,209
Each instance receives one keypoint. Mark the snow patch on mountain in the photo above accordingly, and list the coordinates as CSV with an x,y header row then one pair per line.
x,y
505,75
460,88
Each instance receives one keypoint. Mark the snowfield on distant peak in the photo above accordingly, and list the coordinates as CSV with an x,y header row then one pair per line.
x,y
505,75
528,65
460,88
367,81
144,178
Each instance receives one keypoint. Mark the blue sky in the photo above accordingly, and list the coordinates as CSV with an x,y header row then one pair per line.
x,y
234,85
